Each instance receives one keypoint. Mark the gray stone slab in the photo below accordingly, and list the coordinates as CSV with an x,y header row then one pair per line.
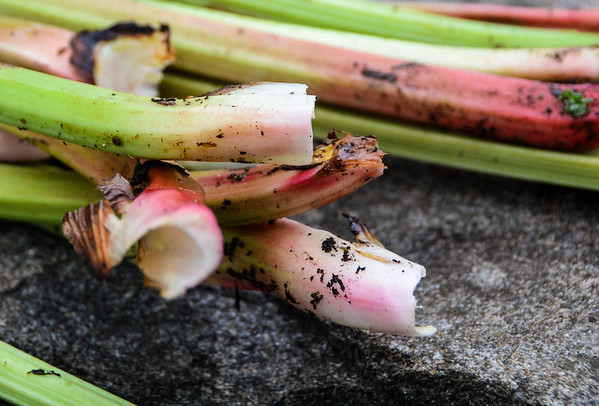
x,y
512,285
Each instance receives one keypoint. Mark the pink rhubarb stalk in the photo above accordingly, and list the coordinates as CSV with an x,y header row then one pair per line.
x,y
265,192
357,284
585,19
15,149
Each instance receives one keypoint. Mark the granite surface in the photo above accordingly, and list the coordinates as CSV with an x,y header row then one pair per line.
x,y
512,286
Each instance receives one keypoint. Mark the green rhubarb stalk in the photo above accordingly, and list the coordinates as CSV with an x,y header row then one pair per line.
x,y
42,194
388,20
585,19
440,147
26,380
262,123
197,40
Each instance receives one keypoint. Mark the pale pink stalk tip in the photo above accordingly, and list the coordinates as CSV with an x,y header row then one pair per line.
x,y
356,284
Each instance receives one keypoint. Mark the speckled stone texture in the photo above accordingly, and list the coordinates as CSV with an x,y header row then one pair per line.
x,y
512,285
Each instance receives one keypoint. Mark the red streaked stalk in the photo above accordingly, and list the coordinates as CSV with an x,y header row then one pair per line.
x,y
584,19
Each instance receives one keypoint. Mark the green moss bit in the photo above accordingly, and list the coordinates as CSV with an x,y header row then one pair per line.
x,y
574,103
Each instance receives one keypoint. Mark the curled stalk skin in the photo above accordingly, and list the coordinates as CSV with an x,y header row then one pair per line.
x,y
180,241
359,284
273,120
490,106
584,19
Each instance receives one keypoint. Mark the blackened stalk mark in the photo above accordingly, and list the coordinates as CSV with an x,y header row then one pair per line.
x,y
346,254
359,269
316,298
42,372
117,141
328,245
165,101
375,74
336,280
230,247
286,167
239,176
249,275
288,295
320,271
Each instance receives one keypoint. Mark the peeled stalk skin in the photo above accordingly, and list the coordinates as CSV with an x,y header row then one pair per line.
x,y
584,19
274,128
388,20
503,108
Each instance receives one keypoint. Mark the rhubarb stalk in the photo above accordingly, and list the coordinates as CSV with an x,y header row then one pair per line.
x,y
199,33
441,147
265,192
273,120
357,284
26,380
397,21
142,53
585,19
